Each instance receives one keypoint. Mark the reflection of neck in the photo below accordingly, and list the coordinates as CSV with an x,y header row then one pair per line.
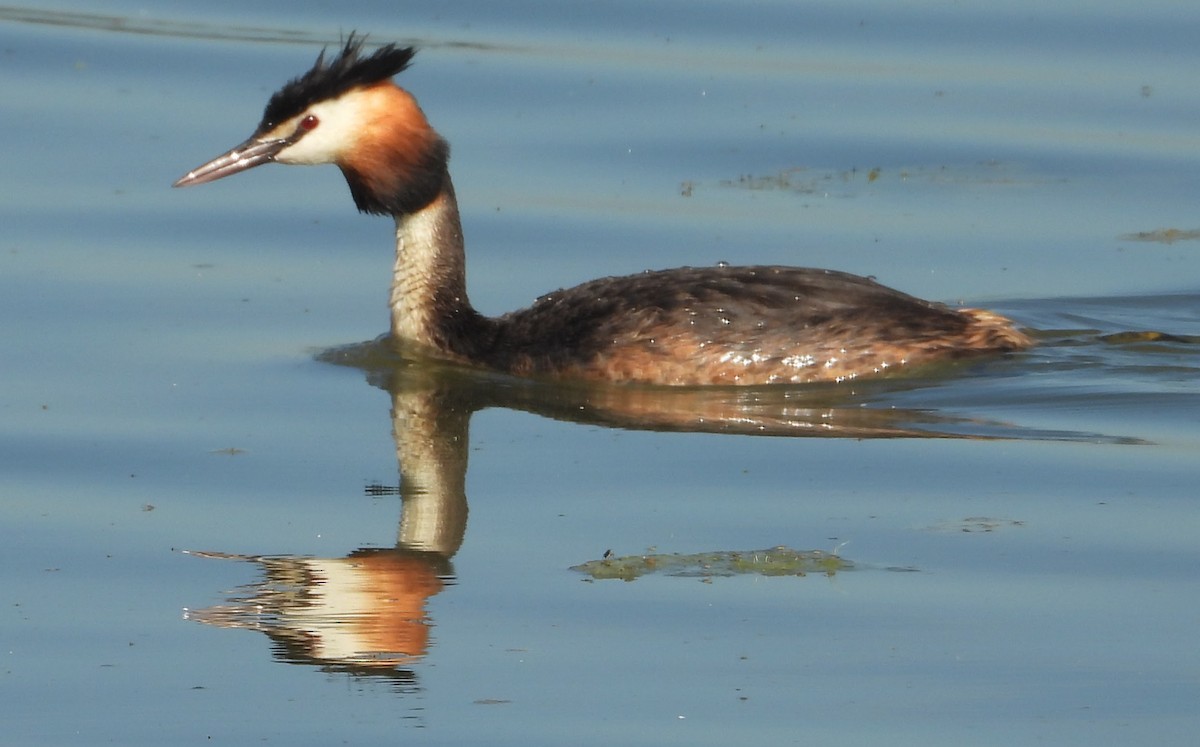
x,y
431,448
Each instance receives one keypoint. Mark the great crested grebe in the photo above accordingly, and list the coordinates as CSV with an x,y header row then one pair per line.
x,y
686,326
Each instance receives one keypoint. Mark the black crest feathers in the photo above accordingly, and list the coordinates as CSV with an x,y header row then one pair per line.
x,y
327,80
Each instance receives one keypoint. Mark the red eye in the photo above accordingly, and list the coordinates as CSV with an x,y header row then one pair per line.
x,y
310,122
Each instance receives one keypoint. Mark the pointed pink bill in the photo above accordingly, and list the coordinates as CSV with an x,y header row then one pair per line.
x,y
249,154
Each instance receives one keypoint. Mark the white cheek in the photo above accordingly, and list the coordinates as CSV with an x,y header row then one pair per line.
x,y
339,122
315,147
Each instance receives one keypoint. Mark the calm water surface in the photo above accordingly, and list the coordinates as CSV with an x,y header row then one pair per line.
x,y
227,522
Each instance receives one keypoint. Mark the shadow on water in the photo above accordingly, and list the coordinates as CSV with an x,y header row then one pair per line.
x,y
181,29
365,614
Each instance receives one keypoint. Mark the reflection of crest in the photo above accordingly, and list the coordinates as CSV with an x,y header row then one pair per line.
x,y
363,614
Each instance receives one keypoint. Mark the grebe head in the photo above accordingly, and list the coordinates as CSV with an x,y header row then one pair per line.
x,y
346,111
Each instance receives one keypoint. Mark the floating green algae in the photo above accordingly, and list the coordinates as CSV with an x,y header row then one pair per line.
x,y
1162,235
1133,337
973,524
775,561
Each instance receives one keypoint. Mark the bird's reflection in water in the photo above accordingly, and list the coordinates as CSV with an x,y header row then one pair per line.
x,y
363,614
366,613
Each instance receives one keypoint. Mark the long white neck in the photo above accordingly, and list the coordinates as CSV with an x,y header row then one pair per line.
x,y
429,297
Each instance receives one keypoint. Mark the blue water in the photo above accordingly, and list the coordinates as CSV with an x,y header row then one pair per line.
x,y
203,540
